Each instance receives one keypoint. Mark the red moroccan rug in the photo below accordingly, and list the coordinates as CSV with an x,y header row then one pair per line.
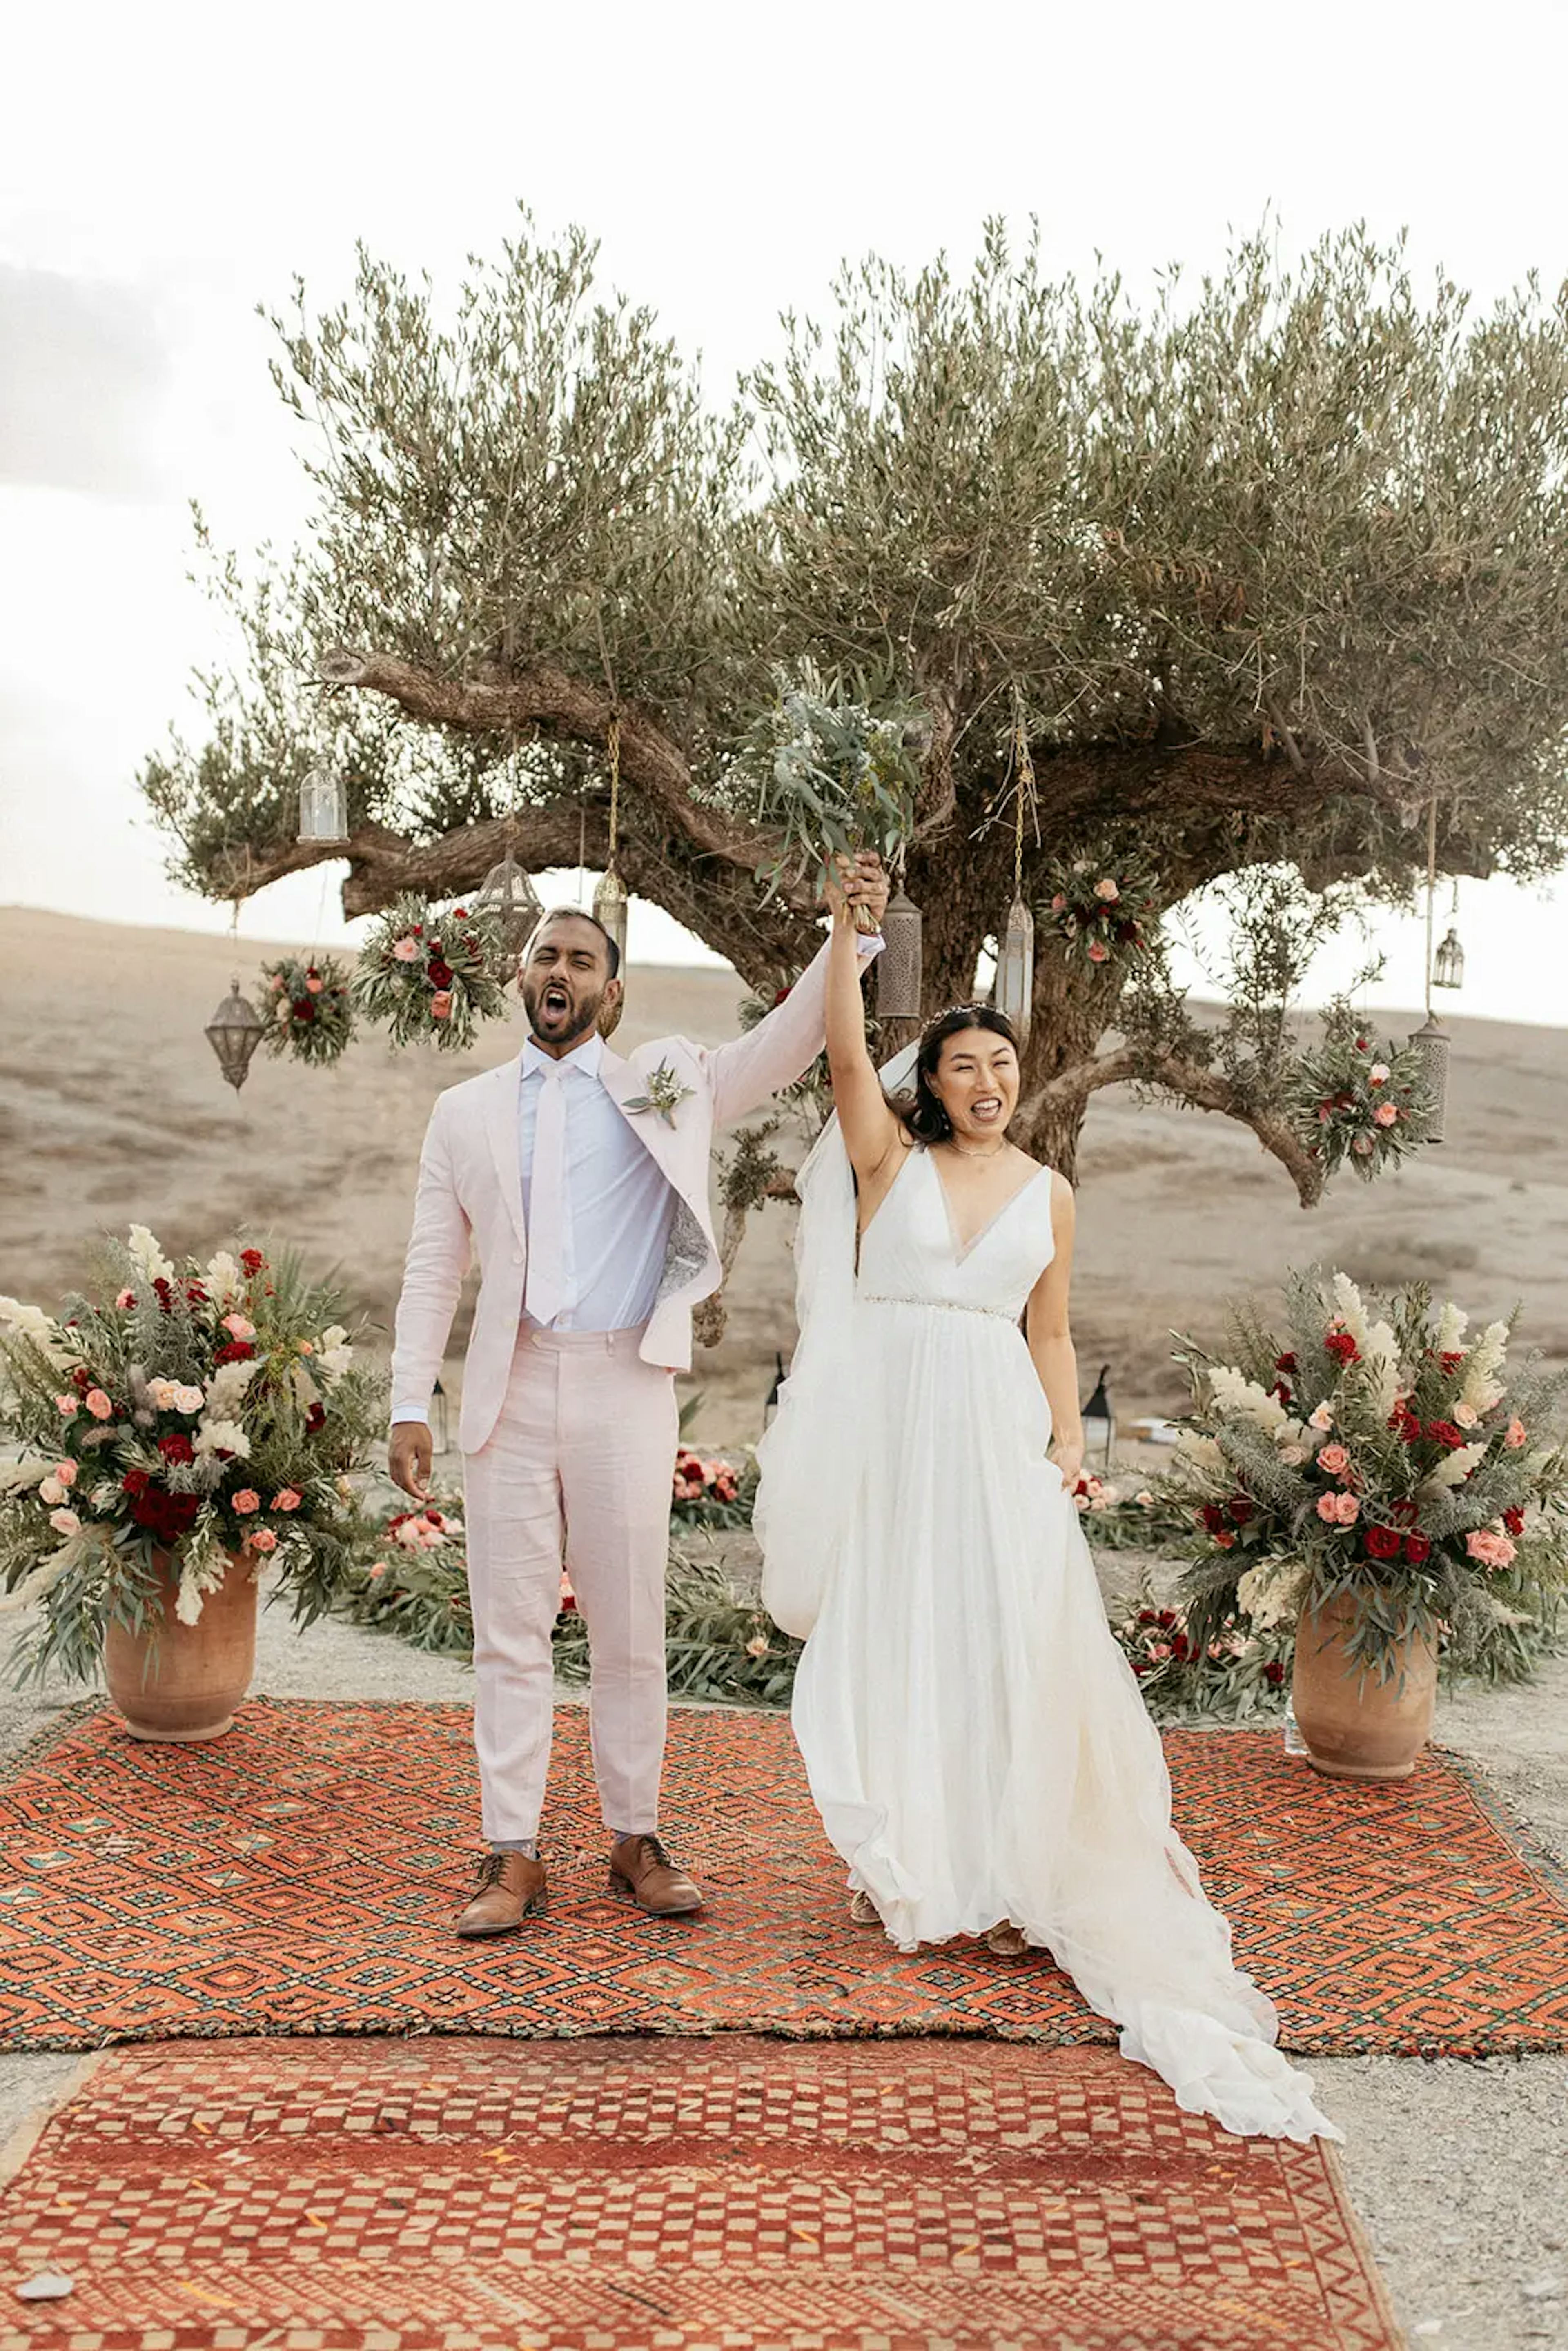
x,y
298,1877
375,2196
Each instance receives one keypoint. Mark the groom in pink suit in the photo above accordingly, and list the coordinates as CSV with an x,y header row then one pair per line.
x,y
580,1180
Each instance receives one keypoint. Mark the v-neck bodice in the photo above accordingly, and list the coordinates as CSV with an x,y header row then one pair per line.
x,y
911,1249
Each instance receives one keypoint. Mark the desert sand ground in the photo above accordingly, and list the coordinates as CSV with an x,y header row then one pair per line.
x,y
112,1108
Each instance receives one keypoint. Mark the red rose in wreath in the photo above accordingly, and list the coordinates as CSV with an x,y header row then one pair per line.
x,y
440,974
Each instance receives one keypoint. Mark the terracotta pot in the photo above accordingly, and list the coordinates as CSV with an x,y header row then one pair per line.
x,y
182,1683
1355,1726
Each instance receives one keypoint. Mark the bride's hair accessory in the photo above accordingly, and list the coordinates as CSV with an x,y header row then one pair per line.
x,y
921,1111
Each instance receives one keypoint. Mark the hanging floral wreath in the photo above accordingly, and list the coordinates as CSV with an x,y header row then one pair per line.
x,y
306,1007
1103,913
429,973
1358,1099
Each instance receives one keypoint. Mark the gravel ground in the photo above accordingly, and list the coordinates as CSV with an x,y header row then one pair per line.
x,y
1458,2170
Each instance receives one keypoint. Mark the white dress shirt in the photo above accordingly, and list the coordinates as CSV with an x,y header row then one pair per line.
x,y
619,1203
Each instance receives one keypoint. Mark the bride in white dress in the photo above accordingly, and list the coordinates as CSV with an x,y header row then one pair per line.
x,y
975,1742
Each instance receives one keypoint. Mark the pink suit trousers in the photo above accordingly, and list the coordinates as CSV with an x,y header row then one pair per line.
x,y
577,1469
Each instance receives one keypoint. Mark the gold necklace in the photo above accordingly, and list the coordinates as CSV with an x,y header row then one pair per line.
x,y
994,1151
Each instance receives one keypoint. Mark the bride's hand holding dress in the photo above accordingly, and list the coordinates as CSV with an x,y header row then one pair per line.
x,y
975,1740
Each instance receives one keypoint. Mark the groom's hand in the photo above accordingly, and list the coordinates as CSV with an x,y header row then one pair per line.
x,y
408,1458
862,883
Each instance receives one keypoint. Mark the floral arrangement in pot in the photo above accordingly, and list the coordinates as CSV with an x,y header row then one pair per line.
x,y
307,1008
1103,913
1358,1099
432,975
1382,1481
180,1427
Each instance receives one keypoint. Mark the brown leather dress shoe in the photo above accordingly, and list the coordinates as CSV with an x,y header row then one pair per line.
x,y
640,1871
511,1888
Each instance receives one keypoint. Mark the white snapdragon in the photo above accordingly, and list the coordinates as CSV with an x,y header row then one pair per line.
x,y
202,1569
333,1353
1451,1325
1270,1593
1380,1353
223,1279
147,1257
1232,1392
222,1437
1352,1310
225,1389
46,1334
1455,1467
1201,1452
1482,1387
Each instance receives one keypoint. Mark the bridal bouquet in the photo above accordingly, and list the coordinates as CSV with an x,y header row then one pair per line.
x,y
831,777
428,973
209,1412
1387,1454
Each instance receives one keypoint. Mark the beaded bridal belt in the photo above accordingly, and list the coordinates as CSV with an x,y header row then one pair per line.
x,y
947,1305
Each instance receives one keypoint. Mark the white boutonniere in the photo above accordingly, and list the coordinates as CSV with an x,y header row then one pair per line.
x,y
665,1095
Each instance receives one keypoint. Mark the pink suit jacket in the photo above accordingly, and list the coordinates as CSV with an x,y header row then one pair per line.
x,y
470,1197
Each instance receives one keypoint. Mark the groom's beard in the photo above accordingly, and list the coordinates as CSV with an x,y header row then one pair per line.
x,y
567,1029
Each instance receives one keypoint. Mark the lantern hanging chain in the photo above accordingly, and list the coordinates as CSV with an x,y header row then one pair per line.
x,y
1023,781
614,750
1431,890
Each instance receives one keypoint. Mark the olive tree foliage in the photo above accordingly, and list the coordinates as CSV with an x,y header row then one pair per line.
x,y
1268,567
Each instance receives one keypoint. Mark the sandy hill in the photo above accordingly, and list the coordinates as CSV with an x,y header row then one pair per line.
x,y
111,1109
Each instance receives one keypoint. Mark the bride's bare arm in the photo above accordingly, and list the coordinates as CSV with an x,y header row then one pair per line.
x,y
870,1130
1049,1336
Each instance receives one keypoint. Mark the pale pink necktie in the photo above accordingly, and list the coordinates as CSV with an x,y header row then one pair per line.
x,y
544,1292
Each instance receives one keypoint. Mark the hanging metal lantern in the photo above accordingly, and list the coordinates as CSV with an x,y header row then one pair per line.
x,y
508,895
323,806
234,1033
1433,1043
610,904
898,969
1448,963
1013,992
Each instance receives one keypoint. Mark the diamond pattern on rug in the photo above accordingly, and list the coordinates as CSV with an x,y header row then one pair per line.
x,y
299,1875
412,2196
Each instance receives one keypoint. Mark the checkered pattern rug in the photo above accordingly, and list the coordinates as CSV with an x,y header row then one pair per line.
x,y
299,1876
636,2195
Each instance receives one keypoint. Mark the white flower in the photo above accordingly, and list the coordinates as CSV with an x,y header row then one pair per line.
x,y
223,1278
1465,1415
32,1322
1451,1329
52,1492
1322,1420
202,1570
223,1437
1353,1313
1456,1467
188,1399
1202,1452
1270,1593
65,1522
227,1386
1292,1456
147,1257
1233,1393
306,1391
333,1353
162,1394
1482,1388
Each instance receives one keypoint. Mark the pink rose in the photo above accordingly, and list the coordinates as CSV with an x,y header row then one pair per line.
x,y
1465,1415
246,1500
1362,1145
380,1568
1379,1074
1106,891
65,1522
1515,1434
1385,1115
1328,1509
1059,904
50,1490
1334,1459
1490,1548
287,1499
239,1327
276,982
441,1004
1097,953
262,1539
126,1297
314,986
65,1405
99,1405
66,1472
1349,1510
406,950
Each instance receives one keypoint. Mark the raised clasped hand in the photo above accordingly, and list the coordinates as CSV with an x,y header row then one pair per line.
x,y
857,882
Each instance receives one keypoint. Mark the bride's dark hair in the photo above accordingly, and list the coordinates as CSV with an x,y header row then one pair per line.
x,y
921,1111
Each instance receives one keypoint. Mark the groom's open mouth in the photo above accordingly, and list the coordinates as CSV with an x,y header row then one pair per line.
x,y
554,1004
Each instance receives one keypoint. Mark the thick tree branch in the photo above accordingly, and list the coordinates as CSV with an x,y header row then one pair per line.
x,y
542,700
1187,1081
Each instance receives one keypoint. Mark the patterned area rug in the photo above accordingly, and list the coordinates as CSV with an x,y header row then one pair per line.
x,y
298,1877
374,2196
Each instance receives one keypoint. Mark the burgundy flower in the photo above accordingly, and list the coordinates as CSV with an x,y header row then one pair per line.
x,y
1451,1363
1274,1673
176,1447
315,1418
305,1011
1343,1347
1182,1650
1417,1550
1213,1518
1284,1363
1282,1392
165,1294
1240,1508
252,1260
165,1517
440,973
135,1482
195,1295
1383,1543
1513,1519
1443,1432
1166,1619
238,1351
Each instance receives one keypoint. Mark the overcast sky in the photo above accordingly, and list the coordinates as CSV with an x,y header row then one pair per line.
x,y
167,168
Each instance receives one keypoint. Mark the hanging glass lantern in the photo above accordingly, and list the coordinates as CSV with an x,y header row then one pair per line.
x,y
234,1033
323,806
1013,992
509,898
1448,963
610,904
898,968
1432,1042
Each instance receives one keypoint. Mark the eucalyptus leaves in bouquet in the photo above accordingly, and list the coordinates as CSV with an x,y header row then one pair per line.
x,y
211,1414
1357,1100
1375,1450
307,1008
833,774
429,974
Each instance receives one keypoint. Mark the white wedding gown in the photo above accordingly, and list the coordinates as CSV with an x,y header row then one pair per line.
x,y
975,1740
